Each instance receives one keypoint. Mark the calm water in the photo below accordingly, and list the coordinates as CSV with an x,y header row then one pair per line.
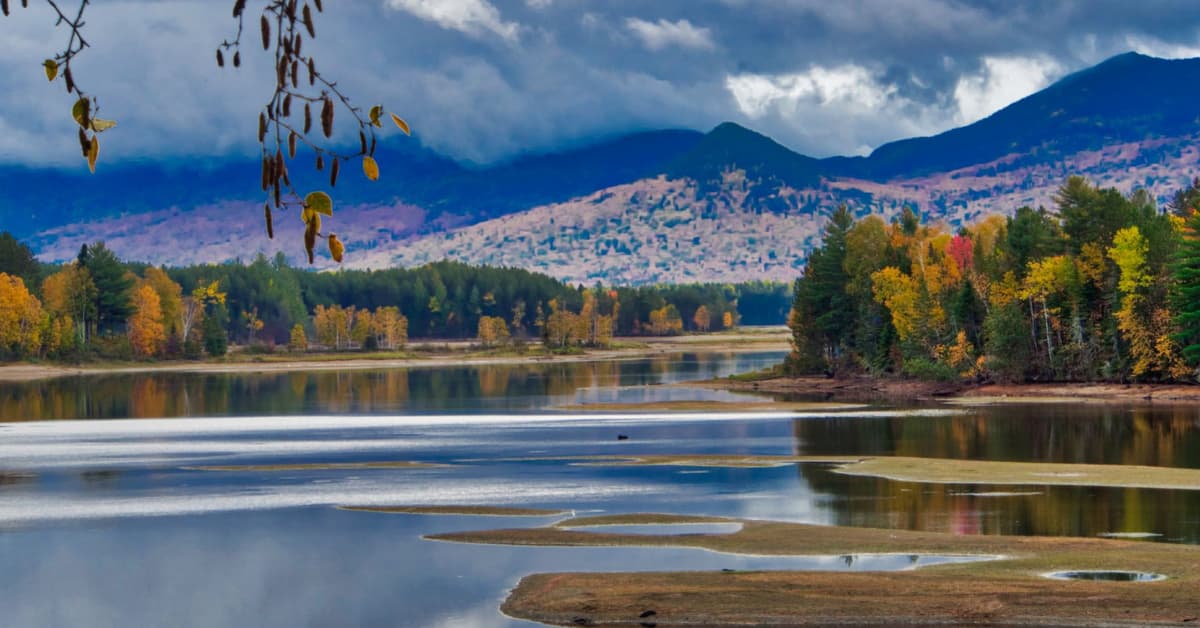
x,y
109,522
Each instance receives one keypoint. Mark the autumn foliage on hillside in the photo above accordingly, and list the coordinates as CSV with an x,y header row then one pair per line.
x,y
1099,287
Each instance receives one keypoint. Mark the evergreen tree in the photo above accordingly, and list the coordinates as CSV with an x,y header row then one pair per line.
x,y
113,287
17,260
1185,291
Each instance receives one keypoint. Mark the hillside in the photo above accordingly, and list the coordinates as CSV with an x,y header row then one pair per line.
x,y
728,205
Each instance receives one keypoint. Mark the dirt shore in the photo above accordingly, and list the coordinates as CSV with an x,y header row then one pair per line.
x,y
861,388
725,342
1011,591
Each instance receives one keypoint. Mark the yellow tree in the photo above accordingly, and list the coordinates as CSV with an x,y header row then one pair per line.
x,y
492,331
146,332
297,340
70,295
1045,278
727,320
898,292
390,327
1149,333
20,318
360,329
170,296
702,318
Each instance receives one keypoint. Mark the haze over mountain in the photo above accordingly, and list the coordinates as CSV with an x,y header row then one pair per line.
x,y
672,205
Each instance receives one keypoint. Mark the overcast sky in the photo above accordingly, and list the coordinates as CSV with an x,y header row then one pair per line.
x,y
482,80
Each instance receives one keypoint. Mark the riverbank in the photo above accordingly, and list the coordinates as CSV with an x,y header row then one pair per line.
x,y
858,389
426,354
1010,591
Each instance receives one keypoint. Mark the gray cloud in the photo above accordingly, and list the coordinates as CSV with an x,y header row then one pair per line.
x,y
482,80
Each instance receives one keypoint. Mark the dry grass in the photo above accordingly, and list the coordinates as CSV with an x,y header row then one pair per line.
x,y
940,470
713,406
1004,592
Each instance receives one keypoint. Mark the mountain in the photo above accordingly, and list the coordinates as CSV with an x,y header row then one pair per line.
x,y
657,206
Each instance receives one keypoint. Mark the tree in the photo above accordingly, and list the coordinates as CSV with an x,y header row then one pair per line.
x,y
1185,291
702,318
17,260
113,286
493,331
298,341
147,334
70,293
1145,327
216,339
170,297
282,25
20,319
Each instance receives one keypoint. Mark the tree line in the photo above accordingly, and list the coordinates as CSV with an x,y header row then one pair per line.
x,y
1103,286
98,306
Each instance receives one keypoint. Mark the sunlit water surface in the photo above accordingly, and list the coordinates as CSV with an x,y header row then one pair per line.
x,y
113,522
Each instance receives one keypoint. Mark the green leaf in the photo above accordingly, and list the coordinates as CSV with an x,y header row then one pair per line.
x,y
319,202
401,123
371,168
376,113
51,69
101,126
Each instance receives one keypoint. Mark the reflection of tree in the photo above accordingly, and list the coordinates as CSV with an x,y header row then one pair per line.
x,y
1079,434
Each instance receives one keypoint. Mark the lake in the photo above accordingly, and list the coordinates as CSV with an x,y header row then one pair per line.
x,y
162,499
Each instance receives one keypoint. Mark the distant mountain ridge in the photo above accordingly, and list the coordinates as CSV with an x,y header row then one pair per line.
x,y
659,205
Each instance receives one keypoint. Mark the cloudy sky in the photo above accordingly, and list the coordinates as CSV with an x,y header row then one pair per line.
x,y
483,80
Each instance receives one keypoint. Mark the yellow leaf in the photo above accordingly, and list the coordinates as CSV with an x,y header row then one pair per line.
x,y
401,123
81,111
101,126
371,168
93,152
376,113
336,249
319,202
51,69
310,238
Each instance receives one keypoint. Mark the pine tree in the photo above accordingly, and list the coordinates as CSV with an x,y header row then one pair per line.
x,y
1185,291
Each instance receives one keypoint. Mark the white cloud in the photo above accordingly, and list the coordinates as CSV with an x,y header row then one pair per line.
x,y
664,34
538,4
1157,48
473,17
842,109
1002,81
850,86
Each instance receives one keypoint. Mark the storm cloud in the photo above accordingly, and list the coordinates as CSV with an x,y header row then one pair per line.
x,y
484,80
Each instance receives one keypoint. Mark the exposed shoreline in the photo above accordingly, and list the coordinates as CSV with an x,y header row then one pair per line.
x,y
726,342
868,389
1010,591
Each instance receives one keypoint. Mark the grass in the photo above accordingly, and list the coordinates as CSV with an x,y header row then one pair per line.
x,y
711,406
941,470
1005,592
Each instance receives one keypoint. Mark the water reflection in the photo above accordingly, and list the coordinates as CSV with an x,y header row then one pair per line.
x,y
1080,433
475,388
